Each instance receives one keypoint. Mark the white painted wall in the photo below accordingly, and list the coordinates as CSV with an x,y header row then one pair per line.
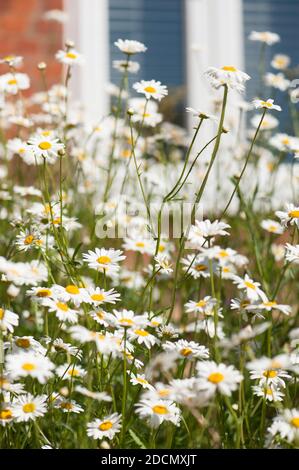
x,y
88,27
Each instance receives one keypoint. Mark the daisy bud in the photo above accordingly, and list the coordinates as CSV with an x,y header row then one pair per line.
x,y
69,44
130,111
105,445
61,152
42,66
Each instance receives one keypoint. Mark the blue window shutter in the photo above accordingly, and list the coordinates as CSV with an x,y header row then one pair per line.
x,y
159,25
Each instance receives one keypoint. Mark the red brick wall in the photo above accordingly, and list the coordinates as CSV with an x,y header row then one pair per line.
x,y
24,32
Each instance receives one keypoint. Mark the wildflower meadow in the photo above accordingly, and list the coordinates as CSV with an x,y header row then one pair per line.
x,y
149,275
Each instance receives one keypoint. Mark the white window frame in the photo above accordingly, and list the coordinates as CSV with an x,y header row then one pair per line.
x,y
88,27
214,37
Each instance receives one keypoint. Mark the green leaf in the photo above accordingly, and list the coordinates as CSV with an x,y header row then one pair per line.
x,y
136,439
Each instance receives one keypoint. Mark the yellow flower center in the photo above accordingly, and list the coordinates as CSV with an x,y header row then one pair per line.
x,y
71,55
71,289
140,244
266,104
141,332
150,89
294,214
29,408
29,239
229,68
23,343
126,321
43,293
97,297
201,267
62,306
67,406
164,392
13,81
270,304
285,141
216,377
73,372
250,285
201,303
1,313
100,315
186,352
46,133
270,374
295,421
142,381
21,150
5,414
223,254
28,366
160,410
45,145
105,426
104,260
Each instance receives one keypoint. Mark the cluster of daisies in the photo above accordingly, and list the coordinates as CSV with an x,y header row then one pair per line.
x,y
114,333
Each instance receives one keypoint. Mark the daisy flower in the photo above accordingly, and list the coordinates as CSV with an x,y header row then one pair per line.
x,y
197,266
267,37
200,114
269,122
70,371
206,229
59,346
141,245
270,305
227,75
6,414
127,318
12,60
8,320
32,239
187,349
251,288
28,407
142,336
104,428
68,406
70,293
26,343
104,260
151,89
271,394
100,396
13,82
29,364
139,379
201,306
292,253
69,57
277,81
97,296
130,47
286,425
269,104
272,226
163,264
100,316
214,377
40,293
158,411
45,148
270,371
62,310
290,216
280,61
